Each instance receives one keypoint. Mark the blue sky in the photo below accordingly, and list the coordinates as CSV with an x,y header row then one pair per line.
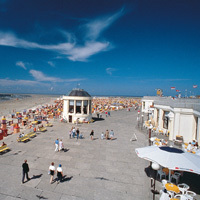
x,y
107,47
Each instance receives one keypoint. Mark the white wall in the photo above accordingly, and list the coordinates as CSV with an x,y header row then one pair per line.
x,y
186,127
148,103
198,131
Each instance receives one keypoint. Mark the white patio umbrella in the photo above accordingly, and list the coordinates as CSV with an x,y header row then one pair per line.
x,y
171,158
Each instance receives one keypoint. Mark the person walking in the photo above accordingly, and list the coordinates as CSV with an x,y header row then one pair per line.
x,y
25,170
59,173
70,134
77,133
107,134
111,134
102,135
106,113
92,134
56,144
52,171
61,146
73,132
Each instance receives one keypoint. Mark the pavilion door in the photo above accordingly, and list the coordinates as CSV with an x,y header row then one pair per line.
x,y
70,118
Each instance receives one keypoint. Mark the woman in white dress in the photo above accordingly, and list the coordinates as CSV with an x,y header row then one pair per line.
x,y
52,171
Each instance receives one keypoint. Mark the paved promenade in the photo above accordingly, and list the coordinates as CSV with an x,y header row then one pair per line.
x,y
98,169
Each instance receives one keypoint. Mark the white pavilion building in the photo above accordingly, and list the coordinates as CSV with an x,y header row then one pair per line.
x,y
77,105
181,117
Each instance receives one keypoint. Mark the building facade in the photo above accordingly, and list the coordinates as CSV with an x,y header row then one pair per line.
x,y
77,106
178,117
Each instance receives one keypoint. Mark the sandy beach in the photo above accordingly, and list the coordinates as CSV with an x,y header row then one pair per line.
x,y
7,107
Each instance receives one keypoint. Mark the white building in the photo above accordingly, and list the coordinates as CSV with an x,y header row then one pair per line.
x,y
181,117
77,105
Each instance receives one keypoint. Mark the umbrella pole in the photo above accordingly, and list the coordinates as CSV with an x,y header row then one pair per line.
x,y
169,175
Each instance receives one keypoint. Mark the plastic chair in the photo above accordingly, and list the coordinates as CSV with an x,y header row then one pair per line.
x,y
161,174
190,193
181,197
171,194
183,187
164,196
176,176
164,182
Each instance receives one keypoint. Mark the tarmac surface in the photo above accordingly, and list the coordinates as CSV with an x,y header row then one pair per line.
x,y
98,169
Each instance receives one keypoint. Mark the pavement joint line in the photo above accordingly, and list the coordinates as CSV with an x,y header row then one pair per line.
x,y
9,195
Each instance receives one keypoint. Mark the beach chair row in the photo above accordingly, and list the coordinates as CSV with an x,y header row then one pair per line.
x,y
4,148
30,135
26,137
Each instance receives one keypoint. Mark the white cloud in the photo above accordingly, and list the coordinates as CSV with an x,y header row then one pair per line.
x,y
90,48
96,27
21,64
51,63
110,70
70,48
9,39
8,82
40,76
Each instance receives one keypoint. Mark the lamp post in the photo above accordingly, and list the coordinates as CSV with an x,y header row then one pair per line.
x,y
138,121
149,136
156,167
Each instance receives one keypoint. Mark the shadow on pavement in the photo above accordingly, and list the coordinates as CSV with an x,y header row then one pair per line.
x,y
65,150
65,178
36,176
97,119
41,197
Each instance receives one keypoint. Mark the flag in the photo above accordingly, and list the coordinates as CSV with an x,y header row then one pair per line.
x,y
172,88
177,90
194,86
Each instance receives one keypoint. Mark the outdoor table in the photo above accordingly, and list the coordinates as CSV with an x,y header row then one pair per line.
x,y
172,187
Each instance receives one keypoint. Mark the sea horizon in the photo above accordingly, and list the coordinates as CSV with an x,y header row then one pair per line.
x,y
9,96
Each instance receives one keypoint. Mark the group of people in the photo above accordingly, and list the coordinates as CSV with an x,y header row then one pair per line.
x,y
51,172
75,133
59,145
21,135
108,135
59,171
192,146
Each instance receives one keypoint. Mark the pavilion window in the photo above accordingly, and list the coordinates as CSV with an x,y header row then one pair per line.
x,y
71,106
85,105
78,106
